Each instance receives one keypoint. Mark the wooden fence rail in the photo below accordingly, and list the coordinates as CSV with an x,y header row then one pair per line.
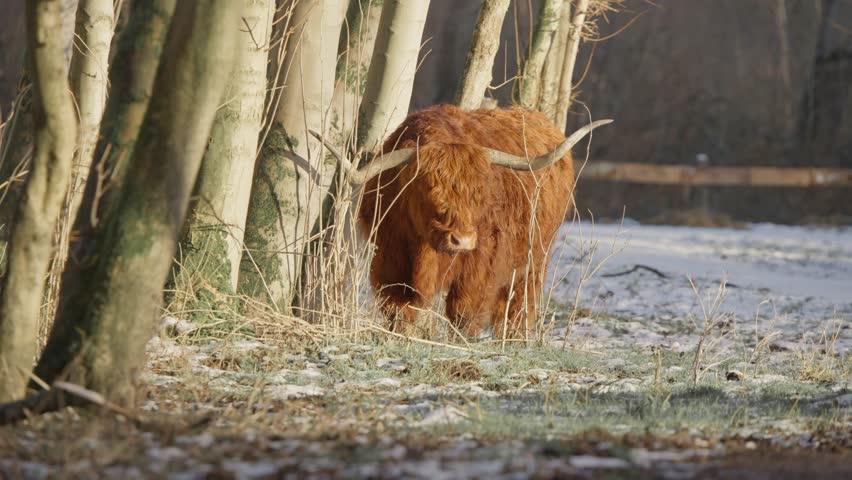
x,y
717,176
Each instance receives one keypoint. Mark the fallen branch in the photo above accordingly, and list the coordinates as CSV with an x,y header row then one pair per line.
x,y
634,269
53,400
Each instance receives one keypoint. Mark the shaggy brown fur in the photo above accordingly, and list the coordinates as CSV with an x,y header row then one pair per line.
x,y
453,189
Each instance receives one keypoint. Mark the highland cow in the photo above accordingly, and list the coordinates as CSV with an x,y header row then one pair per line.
x,y
463,202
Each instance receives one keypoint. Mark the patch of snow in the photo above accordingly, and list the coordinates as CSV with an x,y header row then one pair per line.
x,y
445,415
589,462
795,278
312,373
165,454
249,470
391,364
204,440
248,345
174,327
386,383
289,392
493,362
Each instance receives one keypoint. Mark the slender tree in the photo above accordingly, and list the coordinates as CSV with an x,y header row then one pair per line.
x,y
89,69
390,79
100,334
357,39
387,95
31,244
131,79
286,198
18,136
214,244
480,58
548,96
566,82
543,36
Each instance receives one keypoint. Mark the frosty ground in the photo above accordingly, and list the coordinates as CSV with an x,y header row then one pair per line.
x,y
614,388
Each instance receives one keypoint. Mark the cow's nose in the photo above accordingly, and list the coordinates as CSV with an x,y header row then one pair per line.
x,y
462,241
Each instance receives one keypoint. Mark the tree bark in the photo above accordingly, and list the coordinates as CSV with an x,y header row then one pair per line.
x,y
542,41
101,332
552,71
357,39
390,78
18,136
89,67
31,244
480,58
214,245
132,80
285,200
566,83
387,95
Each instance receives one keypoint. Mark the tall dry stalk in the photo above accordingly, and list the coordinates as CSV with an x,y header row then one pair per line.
x,y
712,317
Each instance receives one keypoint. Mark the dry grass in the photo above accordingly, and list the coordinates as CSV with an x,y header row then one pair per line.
x,y
818,357
458,369
712,318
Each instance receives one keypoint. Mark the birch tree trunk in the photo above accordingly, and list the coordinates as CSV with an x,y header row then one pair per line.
x,y
390,78
566,82
31,244
480,58
357,39
285,199
542,41
132,80
89,71
101,332
552,71
214,245
327,275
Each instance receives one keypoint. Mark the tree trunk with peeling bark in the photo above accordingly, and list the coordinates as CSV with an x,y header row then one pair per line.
x,y
286,198
31,244
101,332
480,58
214,244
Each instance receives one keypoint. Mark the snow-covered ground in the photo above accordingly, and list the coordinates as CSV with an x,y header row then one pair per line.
x,y
797,279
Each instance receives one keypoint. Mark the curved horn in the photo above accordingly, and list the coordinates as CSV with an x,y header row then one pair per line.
x,y
377,165
520,163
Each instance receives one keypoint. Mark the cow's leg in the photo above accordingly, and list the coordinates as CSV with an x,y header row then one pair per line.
x,y
404,287
521,314
471,300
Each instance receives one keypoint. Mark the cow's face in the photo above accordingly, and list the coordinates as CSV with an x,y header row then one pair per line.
x,y
455,204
